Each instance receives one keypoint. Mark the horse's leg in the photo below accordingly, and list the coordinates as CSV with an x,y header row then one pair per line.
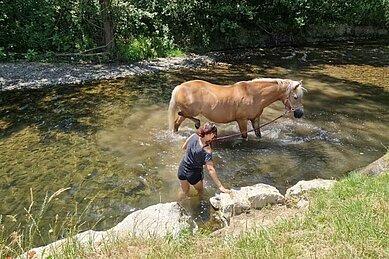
x,y
196,121
256,126
178,122
243,128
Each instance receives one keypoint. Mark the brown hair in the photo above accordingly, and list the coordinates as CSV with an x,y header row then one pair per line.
x,y
207,128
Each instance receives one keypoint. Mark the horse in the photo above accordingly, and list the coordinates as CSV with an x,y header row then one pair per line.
x,y
241,102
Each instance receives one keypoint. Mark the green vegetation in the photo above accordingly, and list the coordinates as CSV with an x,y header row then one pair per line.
x,y
349,221
133,30
145,48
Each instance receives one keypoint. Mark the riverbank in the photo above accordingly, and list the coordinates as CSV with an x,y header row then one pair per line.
x,y
321,205
348,221
27,75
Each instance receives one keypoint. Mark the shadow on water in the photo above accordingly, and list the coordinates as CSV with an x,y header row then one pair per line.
x,y
72,108
351,53
109,141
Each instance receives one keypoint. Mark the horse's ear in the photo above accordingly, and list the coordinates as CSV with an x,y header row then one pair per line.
x,y
297,85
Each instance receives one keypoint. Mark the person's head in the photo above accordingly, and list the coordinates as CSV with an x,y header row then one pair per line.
x,y
208,130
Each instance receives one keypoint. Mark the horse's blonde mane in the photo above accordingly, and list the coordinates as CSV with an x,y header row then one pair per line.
x,y
268,80
282,82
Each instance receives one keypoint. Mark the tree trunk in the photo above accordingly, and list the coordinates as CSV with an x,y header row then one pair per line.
x,y
105,6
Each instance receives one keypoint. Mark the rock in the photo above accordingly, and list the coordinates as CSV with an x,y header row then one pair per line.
x,y
303,186
376,168
91,237
302,203
155,221
215,201
246,198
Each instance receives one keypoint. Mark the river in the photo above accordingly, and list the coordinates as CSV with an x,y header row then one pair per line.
x,y
108,143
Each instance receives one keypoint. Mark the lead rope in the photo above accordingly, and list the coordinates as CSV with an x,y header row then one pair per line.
x,y
263,125
292,109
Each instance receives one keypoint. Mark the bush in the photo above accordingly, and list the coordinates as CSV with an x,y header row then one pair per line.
x,y
145,29
145,48
3,56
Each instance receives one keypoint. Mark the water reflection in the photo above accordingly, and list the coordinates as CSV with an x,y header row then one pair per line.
x,y
109,141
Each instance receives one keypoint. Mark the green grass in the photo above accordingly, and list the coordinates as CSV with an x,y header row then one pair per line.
x,y
349,221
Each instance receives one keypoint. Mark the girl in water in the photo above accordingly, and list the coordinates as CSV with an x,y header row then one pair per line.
x,y
198,153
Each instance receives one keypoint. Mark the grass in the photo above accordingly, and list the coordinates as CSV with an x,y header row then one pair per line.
x,y
349,221
29,231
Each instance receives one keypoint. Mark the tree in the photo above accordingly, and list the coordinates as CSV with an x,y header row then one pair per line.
x,y
105,6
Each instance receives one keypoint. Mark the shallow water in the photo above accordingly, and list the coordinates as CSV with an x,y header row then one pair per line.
x,y
108,142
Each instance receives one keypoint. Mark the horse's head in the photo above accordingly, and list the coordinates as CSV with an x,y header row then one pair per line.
x,y
294,97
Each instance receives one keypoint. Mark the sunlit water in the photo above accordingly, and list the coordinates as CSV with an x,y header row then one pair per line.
x,y
109,144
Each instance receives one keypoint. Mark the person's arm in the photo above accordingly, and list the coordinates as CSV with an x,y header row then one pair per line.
x,y
186,141
213,174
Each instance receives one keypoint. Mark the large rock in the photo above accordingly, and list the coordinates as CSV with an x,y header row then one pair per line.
x,y
245,198
378,167
303,186
90,237
155,221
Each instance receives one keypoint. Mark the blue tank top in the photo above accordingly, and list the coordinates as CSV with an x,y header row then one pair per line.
x,y
195,156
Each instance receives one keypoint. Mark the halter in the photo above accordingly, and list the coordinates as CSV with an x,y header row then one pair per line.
x,y
287,100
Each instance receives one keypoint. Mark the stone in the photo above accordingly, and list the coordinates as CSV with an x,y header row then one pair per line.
x,y
243,199
376,168
303,186
303,203
155,221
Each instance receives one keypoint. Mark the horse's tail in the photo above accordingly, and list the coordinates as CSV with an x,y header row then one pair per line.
x,y
172,109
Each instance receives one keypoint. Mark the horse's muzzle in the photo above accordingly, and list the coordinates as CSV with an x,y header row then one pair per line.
x,y
299,112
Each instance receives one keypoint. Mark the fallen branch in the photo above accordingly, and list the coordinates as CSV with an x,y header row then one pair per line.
x,y
85,53
81,54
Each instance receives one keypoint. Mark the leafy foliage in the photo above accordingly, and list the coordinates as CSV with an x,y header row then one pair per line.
x,y
162,26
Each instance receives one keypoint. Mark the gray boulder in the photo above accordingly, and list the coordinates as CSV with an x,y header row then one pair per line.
x,y
303,186
376,168
155,221
245,198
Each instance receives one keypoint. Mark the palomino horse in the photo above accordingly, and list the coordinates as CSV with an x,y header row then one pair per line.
x,y
240,102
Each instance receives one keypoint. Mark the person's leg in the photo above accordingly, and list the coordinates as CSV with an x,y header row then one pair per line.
x,y
184,186
184,189
199,186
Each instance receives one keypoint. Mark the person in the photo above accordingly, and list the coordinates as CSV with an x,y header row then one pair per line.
x,y
198,153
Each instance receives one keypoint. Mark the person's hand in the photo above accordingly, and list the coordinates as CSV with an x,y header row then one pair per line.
x,y
222,189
